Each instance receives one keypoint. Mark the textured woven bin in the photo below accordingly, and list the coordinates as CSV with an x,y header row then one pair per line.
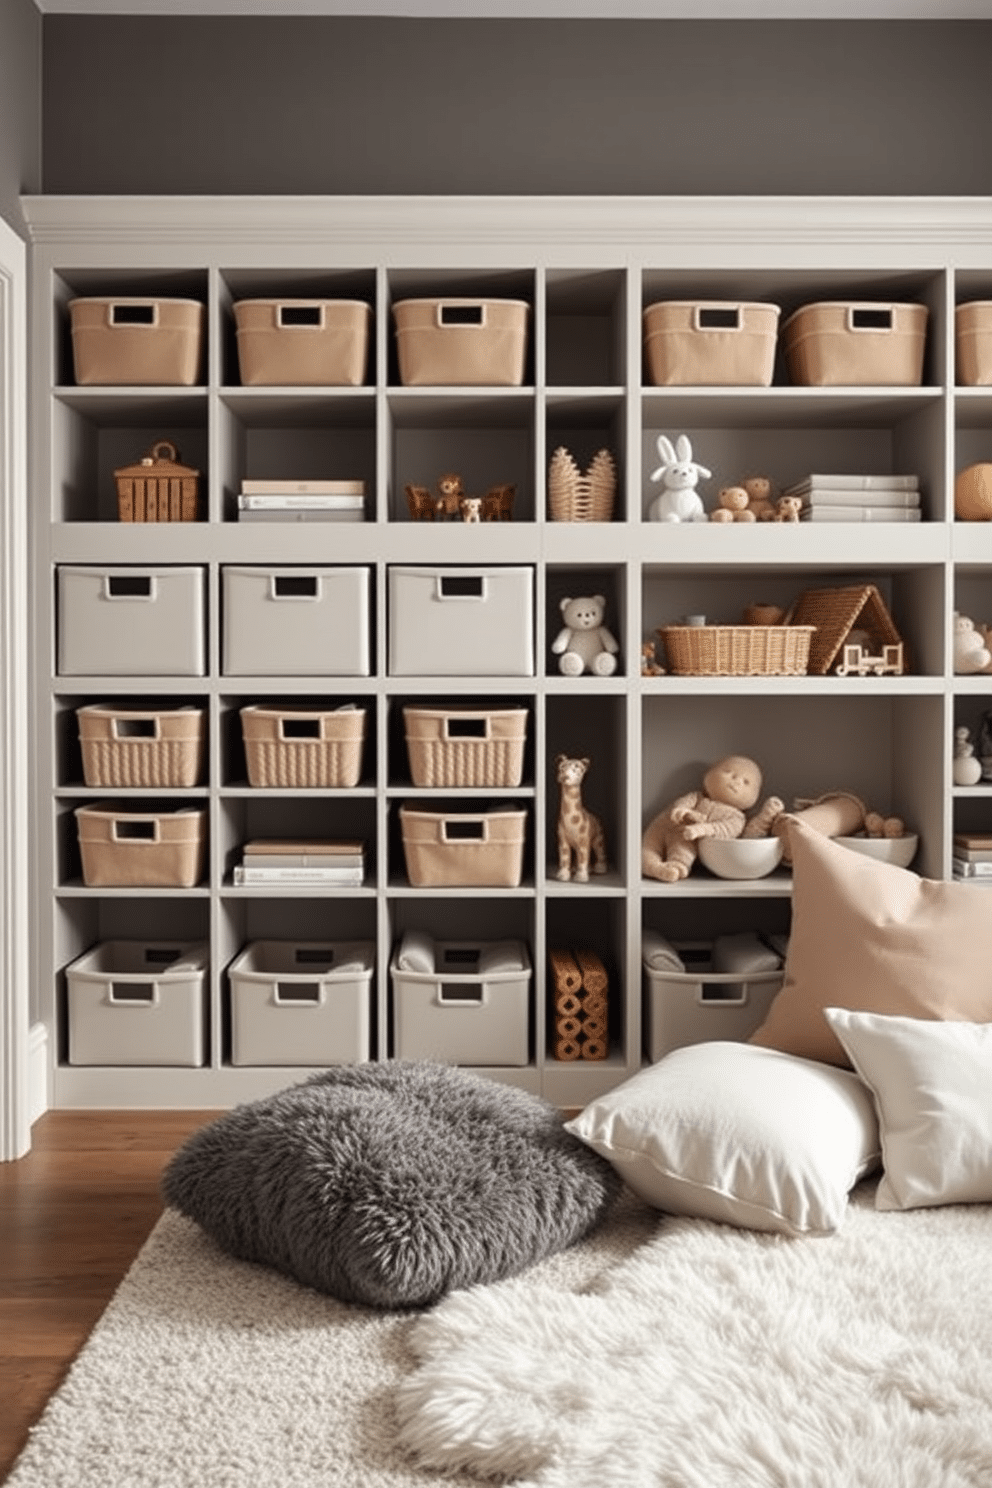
x,y
138,849
466,747
710,343
141,747
973,342
302,343
463,848
862,344
737,650
303,747
132,341
581,496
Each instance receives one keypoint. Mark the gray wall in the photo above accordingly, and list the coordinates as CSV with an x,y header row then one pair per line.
x,y
531,106
20,106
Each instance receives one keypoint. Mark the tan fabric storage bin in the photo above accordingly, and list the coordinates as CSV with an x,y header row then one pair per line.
x,y
139,1003
471,849
302,343
137,849
461,342
301,1002
302,747
710,343
460,1012
466,746
973,344
856,344
155,747
137,341
700,1005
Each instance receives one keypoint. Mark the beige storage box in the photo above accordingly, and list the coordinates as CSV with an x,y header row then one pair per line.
x,y
856,344
973,340
136,341
155,747
131,622
157,488
295,621
302,747
461,622
461,342
133,1002
466,746
710,343
301,1002
302,343
473,1008
138,849
700,1005
472,849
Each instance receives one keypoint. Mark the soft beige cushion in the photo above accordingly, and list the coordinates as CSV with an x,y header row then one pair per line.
x,y
932,1084
874,938
746,1136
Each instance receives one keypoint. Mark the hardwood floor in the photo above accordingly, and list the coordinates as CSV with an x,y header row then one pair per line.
x,y
73,1215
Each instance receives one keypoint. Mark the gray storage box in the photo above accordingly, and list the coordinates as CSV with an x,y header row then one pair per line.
x,y
461,622
700,1005
301,1002
131,622
138,1003
296,622
459,1013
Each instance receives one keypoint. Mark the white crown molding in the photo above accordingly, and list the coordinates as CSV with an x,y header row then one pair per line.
x,y
542,9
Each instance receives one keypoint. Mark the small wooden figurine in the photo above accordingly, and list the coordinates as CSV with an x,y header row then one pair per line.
x,y
420,502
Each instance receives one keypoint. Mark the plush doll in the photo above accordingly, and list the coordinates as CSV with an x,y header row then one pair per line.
x,y
584,644
787,508
679,475
470,507
733,506
970,652
649,661
837,814
449,495
730,789
760,498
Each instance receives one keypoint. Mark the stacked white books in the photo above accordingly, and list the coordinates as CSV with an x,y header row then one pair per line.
x,y
973,857
858,498
332,862
301,501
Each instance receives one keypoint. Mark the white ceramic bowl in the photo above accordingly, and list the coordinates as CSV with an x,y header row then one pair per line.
x,y
741,857
897,850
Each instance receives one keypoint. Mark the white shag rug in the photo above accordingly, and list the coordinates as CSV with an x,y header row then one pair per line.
x,y
659,1353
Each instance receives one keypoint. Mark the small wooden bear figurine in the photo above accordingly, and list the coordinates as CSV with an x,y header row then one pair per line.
x,y
579,831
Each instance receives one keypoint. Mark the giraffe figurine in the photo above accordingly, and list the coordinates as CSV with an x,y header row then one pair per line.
x,y
579,831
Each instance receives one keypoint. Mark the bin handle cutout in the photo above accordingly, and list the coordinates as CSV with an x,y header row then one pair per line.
x,y
466,728
145,829
314,956
299,728
135,728
716,993
124,314
129,586
461,586
160,956
717,318
295,586
462,955
870,318
461,315
133,994
300,317
298,994
465,829
457,994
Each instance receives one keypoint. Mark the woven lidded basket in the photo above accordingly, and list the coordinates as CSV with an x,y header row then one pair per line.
x,y
737,650
577,496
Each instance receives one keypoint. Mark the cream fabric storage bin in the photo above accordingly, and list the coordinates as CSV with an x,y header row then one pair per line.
x,y
301,1002
141,849
461,622
295,621
710,343
471,849
466,746
127,747
131,622
973,344
302,343
461,342
303,747
700,1005
138,1002
132,340
461,1014
856,344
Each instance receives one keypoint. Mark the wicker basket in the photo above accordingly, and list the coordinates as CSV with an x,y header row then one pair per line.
x,y
577,497
299,747
737,650
464,747
158,488
123,747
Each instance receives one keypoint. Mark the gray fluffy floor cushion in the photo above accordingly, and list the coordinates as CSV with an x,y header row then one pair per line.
x,y
391,1184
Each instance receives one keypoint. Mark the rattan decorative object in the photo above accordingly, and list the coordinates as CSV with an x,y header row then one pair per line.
x,y
737,650
158,488
834,613
574,496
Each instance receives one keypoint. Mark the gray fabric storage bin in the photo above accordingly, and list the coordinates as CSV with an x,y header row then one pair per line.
x,y
301,1002
461,622
137,1003
131,622
700,1005
460,1014
295,621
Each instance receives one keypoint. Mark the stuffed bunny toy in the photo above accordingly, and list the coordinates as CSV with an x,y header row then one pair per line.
x,y
679,474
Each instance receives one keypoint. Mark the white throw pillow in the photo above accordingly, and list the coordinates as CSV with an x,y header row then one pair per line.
x,y
932,1083
733,1132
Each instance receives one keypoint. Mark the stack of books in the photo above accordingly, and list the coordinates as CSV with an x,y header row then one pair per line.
x,y
331,861
973,857
301,501
858,498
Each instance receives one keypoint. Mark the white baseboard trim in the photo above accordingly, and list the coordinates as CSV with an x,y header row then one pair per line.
x,y
38,1093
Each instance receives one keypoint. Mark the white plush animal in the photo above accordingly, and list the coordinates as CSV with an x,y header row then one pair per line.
x,y
679,474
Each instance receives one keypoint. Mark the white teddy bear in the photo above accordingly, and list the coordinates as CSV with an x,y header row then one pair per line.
x,y
584,644
970,652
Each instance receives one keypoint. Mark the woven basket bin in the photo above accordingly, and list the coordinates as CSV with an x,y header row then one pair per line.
x,y
737,650
463,747
293,747
574,496
124,747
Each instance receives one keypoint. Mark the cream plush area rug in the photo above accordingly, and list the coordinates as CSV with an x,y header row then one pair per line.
x,y
659,1353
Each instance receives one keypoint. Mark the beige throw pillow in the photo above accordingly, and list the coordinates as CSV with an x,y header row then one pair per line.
x,y
873,938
